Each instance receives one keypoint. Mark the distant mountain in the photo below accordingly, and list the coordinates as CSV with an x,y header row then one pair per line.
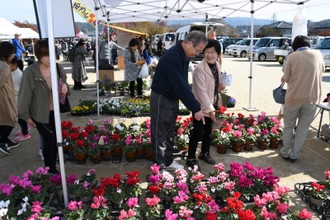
x,y
238,21
235,21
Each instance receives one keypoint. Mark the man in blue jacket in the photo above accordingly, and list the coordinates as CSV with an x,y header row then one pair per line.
x,y
170,84
19,50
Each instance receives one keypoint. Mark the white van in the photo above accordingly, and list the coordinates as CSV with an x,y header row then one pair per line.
x,y
324,48
196,26
168,40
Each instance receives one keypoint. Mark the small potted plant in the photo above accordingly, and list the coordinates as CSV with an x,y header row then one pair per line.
x,y
275,135
237,140
317,194
250,138
75,211
94,153
263,139
221,140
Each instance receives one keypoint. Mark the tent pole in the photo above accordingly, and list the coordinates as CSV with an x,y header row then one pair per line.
x,y
250,108
108,31
57,116
97,61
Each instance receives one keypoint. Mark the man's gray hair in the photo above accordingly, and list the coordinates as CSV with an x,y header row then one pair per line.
x,y
196,37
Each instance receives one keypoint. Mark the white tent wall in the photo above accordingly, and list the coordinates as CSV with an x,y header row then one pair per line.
x,y
7,29
28,33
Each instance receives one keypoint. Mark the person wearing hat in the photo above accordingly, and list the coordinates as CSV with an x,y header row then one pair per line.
x,y
19,49
79,73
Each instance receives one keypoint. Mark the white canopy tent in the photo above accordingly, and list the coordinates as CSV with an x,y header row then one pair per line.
x,y
7,29
162,10
28,33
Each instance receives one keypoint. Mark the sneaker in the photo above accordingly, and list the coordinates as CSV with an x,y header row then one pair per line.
x,y
164,172
19,132
174,166
12,144
191,163
22,137
4,148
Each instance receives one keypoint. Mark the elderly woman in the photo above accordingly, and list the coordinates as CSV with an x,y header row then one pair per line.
x,y
8,109
207,81
133,62
303,71
35,101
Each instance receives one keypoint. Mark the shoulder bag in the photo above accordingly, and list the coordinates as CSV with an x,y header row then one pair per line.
x,y
279,94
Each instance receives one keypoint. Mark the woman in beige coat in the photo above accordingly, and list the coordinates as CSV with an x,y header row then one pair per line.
x,y
206,85
8,109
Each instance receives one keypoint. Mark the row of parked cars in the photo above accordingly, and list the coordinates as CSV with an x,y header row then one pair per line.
x,y
274,48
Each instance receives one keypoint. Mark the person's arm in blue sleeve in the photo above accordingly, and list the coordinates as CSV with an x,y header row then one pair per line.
x,y
17,44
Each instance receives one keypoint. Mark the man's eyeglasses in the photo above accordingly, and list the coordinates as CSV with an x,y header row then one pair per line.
x,y
198,51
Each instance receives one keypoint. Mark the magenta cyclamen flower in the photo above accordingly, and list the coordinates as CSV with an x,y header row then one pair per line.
x,y
6,188
154,178
237,133
213,206
14,179
36,189
250,131
132,202
71,179
42,171
264,132
74,205
56,179
182,197
99,201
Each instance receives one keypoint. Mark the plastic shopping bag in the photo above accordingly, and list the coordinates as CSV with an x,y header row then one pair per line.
x,y
144,72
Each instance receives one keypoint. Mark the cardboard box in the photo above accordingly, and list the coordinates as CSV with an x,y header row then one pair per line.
x,y
121,64
110,74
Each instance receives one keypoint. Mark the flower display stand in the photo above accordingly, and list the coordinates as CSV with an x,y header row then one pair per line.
x,y
321,207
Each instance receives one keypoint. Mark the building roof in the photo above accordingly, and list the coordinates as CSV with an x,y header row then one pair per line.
x,y
279,25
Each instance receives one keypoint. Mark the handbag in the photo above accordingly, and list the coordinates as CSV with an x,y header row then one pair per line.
x,y
144,72
66,107
279,94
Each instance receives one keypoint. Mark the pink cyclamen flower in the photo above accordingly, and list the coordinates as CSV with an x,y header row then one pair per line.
x,y
153,201
36,207
282,207
42,171
155,168
219,167
304,214
169,215
132,202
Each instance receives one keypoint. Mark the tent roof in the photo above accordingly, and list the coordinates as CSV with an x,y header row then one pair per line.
x,y
7,29
28,33
160,10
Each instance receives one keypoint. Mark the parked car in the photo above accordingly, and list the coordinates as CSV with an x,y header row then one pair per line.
x,y
228,41
242,48
230,47
324,48
265,47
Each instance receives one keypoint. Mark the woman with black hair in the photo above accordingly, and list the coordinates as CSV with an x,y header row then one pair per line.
x,y
133,63
8,108
207,82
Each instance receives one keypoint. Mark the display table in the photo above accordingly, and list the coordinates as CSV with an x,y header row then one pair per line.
x,y
324,106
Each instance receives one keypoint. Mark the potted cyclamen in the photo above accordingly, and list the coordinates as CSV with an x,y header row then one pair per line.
x,y
237,140
220,140
263,139
275,134
130,148
317,195
80,151
94,153
250,138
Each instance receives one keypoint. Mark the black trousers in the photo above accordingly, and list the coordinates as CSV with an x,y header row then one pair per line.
x,y
24,126
5,131
163,112
139,87
200,132
48,132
